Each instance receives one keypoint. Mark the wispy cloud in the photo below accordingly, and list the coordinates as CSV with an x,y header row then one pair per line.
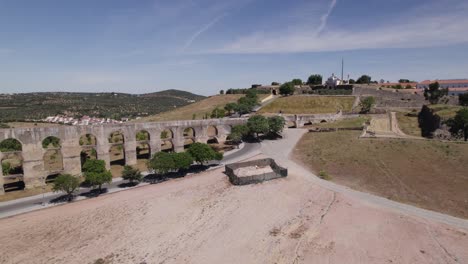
x,y
201,30
324,17
424,30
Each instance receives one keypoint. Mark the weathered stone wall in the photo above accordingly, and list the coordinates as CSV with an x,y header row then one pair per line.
x,y
278,172
301,120
391,97
33,152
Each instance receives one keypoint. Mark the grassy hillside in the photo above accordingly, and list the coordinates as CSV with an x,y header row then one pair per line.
x,y
426,173
199,109
408,121
18,107
310,104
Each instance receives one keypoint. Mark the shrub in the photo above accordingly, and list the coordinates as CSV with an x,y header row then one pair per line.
x,y
131,174
366,104
96,174
202,153
66,183
324,175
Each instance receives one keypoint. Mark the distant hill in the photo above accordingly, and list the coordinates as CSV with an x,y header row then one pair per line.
x,y
196,110
35,106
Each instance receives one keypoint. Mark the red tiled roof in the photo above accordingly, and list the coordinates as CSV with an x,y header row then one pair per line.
x,y
445,81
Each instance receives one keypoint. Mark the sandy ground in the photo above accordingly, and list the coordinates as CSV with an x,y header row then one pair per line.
x,y
204,219
252,170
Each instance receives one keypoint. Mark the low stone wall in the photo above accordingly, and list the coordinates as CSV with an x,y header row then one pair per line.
x,y
278,172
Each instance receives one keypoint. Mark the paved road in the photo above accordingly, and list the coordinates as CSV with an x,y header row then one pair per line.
x,y
281,150
42,201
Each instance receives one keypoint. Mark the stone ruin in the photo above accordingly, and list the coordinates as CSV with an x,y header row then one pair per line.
x,y
255,171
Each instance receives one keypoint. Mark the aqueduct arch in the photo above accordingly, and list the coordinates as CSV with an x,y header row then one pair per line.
x,y
167,136
52,158
11,160
117,148
70,147
88,143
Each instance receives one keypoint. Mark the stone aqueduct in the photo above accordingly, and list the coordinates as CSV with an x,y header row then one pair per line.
x,y
34,172
32,153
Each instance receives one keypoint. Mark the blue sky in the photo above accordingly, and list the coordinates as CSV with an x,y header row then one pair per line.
x,y
206,45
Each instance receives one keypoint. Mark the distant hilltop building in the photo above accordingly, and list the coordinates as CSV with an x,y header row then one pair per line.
x,y
333,81
461,83
455,86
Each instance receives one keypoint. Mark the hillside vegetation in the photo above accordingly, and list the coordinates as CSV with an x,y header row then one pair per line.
x,y
196,110
310,104
35,106
430,174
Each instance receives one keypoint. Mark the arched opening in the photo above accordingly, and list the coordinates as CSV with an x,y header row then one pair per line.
x,y
212,131
87,154
167,134
143,152
88,140
323,121
167,146
212,141
53,159
142,135
12,164
291,124
189,132
117,152
188,142
88,150
274,92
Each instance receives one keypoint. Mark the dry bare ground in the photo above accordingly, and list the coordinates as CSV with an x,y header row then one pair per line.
x,y
204,219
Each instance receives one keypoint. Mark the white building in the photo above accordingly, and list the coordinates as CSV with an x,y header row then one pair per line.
x,y
332,82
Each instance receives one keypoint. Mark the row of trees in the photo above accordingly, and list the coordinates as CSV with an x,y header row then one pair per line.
x,y
245,104
256,125
96,174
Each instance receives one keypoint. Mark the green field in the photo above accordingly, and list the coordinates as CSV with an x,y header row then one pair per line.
x,y
310,104
429,174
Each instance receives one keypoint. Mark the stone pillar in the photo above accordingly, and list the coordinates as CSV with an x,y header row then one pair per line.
x,y
2,181
155,146
33,168
178,139
102,150
130,152
71,158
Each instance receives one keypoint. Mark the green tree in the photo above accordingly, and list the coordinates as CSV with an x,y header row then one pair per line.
x,y
287,88
258,125
202,153
142,135
275,83
66,183
238,132
403,81
463,99
314,79
297,82
161,163
6,168
230,108
366,104
10,144
459,124
131,174
276,124
352,81
218,113
221,92
51,142
96,174
182,160
364,79
434,93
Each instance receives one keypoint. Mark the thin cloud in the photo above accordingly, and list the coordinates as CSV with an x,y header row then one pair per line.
x,y
427,30
201,31
324,18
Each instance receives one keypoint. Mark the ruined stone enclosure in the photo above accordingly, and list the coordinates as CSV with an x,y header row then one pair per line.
x,y
32,156
255,171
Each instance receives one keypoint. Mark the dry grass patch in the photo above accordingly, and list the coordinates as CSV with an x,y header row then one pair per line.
x,y
310,104
408,123
199,109
13,195
425,173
